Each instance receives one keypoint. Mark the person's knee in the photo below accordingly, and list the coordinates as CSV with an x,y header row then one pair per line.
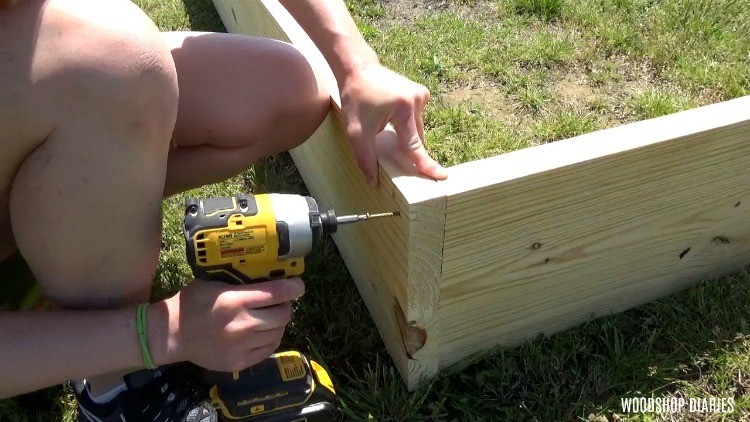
x,y
303,102
111,59
106,80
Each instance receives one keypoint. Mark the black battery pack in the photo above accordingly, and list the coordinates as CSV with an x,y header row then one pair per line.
x,y
315,412
283,387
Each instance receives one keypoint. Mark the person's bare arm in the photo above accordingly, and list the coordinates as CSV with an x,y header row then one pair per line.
x,y
372,95
217,326
333,30
44,348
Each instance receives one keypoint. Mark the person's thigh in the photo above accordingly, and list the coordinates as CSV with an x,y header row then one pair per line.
x,y
91,105
241,99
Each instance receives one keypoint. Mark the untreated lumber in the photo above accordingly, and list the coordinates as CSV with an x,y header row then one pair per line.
x,y
550,236
533,241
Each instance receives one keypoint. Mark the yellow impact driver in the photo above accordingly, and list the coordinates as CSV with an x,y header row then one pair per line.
x,y
249,238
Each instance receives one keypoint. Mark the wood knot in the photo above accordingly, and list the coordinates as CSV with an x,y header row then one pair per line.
x,y
536,246
721,240
412,336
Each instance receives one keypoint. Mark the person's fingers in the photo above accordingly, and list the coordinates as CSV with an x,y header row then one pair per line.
x,y
257,355
248,349
270,318
410,141
262,344
420,125
363,142
268,293
263,338
422,100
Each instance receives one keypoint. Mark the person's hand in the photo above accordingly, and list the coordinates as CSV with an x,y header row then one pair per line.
x,y
375,96
223,327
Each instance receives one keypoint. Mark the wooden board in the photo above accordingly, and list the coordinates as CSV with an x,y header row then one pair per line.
x,y
593,225
533,241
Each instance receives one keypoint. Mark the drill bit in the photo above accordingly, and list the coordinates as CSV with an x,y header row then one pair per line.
x,y
331,220
346,219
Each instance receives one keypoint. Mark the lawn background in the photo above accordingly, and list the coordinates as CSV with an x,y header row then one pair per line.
x,y
508,75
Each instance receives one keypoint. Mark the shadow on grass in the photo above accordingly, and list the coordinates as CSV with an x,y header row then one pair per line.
x,y
203,16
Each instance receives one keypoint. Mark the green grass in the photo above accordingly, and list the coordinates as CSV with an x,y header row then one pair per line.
x,y
660,102
547,10
648,58
555,69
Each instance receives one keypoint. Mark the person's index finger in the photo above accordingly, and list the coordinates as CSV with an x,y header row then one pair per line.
x,y
362,138
273,292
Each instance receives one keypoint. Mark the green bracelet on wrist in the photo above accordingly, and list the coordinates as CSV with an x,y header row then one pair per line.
x,y
142,327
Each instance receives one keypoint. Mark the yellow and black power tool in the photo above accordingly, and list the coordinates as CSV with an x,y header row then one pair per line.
x,y
249,238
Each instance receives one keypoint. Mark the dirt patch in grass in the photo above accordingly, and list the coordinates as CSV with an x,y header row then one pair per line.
x,y
528,108
605,87
436,5
406,12
605,90
490,97
401,12
574,88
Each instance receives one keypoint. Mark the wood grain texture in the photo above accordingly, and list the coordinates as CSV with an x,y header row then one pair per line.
x,y
377,253
426,239
594,225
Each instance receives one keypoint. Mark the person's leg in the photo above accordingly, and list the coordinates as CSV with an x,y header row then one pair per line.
x,y
241,99
92,116
92,105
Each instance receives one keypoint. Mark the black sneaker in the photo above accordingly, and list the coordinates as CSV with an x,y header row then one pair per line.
x,y
173,393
